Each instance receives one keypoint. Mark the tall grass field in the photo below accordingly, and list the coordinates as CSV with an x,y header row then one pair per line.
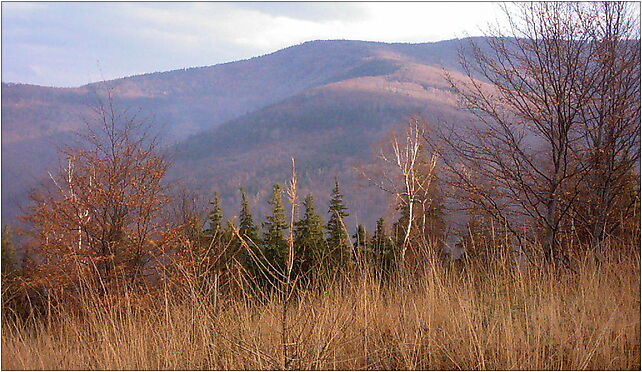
x,y
470,317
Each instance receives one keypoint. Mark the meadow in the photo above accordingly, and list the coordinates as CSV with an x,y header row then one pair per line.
x,y
474,316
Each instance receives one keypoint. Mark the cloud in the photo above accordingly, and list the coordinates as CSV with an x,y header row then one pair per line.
x,y
21,9
56,39
315,11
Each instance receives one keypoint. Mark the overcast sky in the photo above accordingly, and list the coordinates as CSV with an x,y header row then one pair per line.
x,y
71,44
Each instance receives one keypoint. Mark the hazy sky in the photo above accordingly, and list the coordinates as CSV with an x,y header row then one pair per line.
x,y
74,43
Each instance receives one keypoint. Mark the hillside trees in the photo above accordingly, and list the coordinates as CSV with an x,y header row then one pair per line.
x,y
99,219
526,162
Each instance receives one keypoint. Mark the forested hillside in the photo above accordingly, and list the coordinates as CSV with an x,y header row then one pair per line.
x,y
342,95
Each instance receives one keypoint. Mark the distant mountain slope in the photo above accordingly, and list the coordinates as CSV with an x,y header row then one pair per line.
x,y
340,96
328,129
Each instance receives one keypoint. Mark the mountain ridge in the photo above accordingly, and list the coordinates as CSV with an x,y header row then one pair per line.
x,y
308,42
306,85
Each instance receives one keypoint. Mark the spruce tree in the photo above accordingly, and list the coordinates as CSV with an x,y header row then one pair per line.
x,y
247,228
399,227
382,248
9,271
250,234
228,234
361,242
213,248
215,218
309,236
338,239
274,241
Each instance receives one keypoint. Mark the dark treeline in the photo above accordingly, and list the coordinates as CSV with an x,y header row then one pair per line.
x,y
320,248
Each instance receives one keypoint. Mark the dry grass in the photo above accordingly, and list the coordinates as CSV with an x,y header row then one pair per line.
x,y
490,318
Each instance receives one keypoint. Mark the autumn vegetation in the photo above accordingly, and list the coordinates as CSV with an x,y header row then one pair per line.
x,y
516,243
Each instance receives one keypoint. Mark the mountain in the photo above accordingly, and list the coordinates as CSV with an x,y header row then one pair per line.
x,y
238,124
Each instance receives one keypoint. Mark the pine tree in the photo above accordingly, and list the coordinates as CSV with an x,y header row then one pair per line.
x,y
228,234
250,234
338,239
247,228
382,248
399,227
477,238
361,242
211,249
220,251
274,241
309,236
215,218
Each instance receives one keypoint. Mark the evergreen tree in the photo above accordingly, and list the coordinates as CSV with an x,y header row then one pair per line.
x,y
382,248
212,248
247,227
228,235
399,227
274,240
8,253
309,236
361,242
215,218
229,243
219,252
338,239
250,234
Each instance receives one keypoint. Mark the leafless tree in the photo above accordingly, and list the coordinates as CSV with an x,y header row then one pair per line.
x,y
407,174
100,217
610,127
524,161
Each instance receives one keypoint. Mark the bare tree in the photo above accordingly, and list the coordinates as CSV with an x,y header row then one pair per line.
x,y
99,219
408,175
610,119
522,163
